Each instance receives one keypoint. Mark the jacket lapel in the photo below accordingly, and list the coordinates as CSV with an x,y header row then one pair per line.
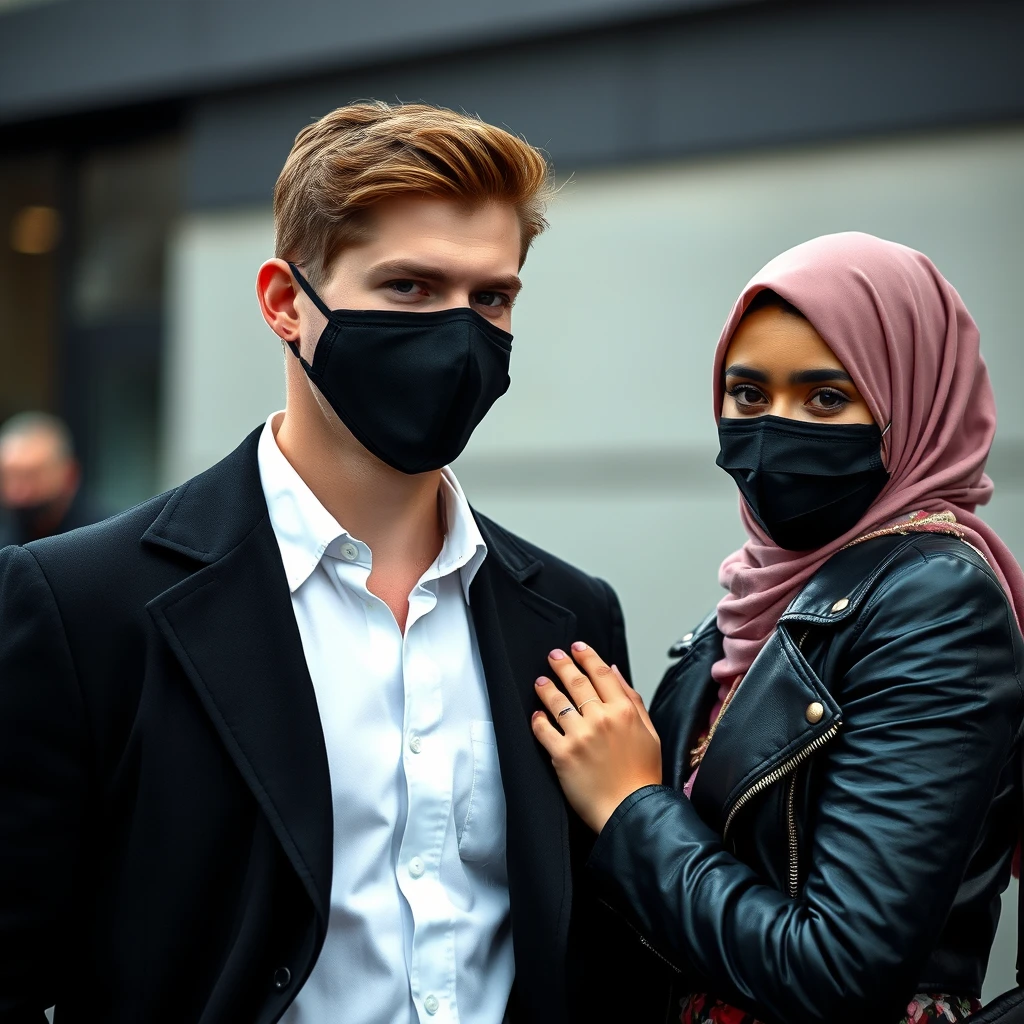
x,y
515,629
231,626
765,725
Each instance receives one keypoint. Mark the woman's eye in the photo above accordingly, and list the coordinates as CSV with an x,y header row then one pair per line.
x,y
744,395
829,400
492,299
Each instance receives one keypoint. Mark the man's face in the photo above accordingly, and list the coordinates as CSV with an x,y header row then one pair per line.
x,y
430,254
34,471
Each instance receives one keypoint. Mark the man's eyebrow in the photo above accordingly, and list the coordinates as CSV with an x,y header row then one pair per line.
x,y
736,370
822,376
402,268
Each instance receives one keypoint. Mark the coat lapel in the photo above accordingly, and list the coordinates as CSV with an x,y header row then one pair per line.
x,y
515,629
231,626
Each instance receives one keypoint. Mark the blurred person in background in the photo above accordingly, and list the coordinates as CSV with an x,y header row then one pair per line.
x,y
826,828
263,745
41,492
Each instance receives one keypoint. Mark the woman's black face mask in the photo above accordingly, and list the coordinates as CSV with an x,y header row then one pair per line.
x,y
806,484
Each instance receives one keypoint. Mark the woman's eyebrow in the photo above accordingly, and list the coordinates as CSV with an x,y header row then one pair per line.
x,y
822,376
736,370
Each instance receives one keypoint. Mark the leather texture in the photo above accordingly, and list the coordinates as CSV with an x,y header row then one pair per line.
x,y
166,828
867,771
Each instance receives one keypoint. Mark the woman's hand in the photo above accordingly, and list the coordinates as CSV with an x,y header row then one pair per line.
x,y
604,746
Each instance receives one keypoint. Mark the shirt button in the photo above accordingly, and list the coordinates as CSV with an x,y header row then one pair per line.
x,y
430,1004
415,743
349,551
417,867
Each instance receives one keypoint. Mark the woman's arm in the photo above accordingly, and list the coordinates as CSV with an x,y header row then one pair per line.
x,y
931,706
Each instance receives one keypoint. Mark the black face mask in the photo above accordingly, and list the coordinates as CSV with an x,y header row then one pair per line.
x,y
805,483
411,387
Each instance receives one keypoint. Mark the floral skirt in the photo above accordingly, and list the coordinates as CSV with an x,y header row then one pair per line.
x,y
699,1009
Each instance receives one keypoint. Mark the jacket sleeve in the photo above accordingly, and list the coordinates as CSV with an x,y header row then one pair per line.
x,y
43,781
931,703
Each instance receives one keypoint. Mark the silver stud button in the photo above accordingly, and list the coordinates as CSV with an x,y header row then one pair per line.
x,y
843,602
814,713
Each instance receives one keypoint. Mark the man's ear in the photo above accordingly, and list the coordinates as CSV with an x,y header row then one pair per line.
x,y
276,292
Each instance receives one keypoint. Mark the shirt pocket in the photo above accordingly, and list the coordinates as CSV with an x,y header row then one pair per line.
x,y
482,835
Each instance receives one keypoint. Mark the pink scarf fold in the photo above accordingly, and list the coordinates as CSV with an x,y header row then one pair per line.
x,y
906,338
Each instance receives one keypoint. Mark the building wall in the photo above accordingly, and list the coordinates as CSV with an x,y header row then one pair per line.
x,y
603,449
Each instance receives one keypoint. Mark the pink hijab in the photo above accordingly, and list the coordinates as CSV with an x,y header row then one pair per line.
x,y
906,338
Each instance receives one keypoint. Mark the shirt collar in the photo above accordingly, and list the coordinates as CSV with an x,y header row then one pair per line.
x,y
305,529
464,548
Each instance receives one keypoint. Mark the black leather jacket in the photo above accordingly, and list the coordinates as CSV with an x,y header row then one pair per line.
x,y
853,821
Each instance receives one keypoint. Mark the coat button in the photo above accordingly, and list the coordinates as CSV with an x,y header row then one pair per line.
x,y
282,978
814,713
843,602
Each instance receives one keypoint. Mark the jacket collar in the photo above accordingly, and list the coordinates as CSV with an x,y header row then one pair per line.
x,y
213,513
836,591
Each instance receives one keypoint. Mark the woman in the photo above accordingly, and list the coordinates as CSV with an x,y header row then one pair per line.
x,y
831,815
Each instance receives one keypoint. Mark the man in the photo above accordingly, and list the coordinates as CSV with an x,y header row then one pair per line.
x,y
264,741
40,480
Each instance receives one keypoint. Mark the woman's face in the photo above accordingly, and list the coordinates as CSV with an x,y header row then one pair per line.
x,y
777,364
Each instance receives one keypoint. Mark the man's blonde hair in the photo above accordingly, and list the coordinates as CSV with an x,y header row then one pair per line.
x,y
356,156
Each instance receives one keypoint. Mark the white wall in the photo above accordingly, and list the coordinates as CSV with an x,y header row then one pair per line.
x,y
603,449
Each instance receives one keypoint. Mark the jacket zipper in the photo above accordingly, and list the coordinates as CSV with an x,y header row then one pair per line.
x,y
794,850
779,773
643,942
794,875
784,769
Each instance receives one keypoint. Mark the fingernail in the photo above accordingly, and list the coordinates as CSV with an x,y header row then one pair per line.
x,y
541,681
579,646
557,655
536,715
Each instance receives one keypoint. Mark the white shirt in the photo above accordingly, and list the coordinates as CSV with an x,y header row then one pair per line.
x,y
419,925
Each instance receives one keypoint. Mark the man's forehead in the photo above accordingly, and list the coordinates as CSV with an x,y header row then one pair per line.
x,y
425,224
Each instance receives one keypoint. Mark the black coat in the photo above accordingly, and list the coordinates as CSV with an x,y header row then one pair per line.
x,y
853,820
165,807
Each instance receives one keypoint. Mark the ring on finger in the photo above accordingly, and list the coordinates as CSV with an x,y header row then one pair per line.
x,y
565,711
589,700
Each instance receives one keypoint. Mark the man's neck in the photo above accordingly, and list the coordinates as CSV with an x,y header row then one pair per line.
x,y
395,514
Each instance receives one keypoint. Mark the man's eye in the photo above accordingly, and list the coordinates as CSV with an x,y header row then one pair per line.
x,y
406,287
492,299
